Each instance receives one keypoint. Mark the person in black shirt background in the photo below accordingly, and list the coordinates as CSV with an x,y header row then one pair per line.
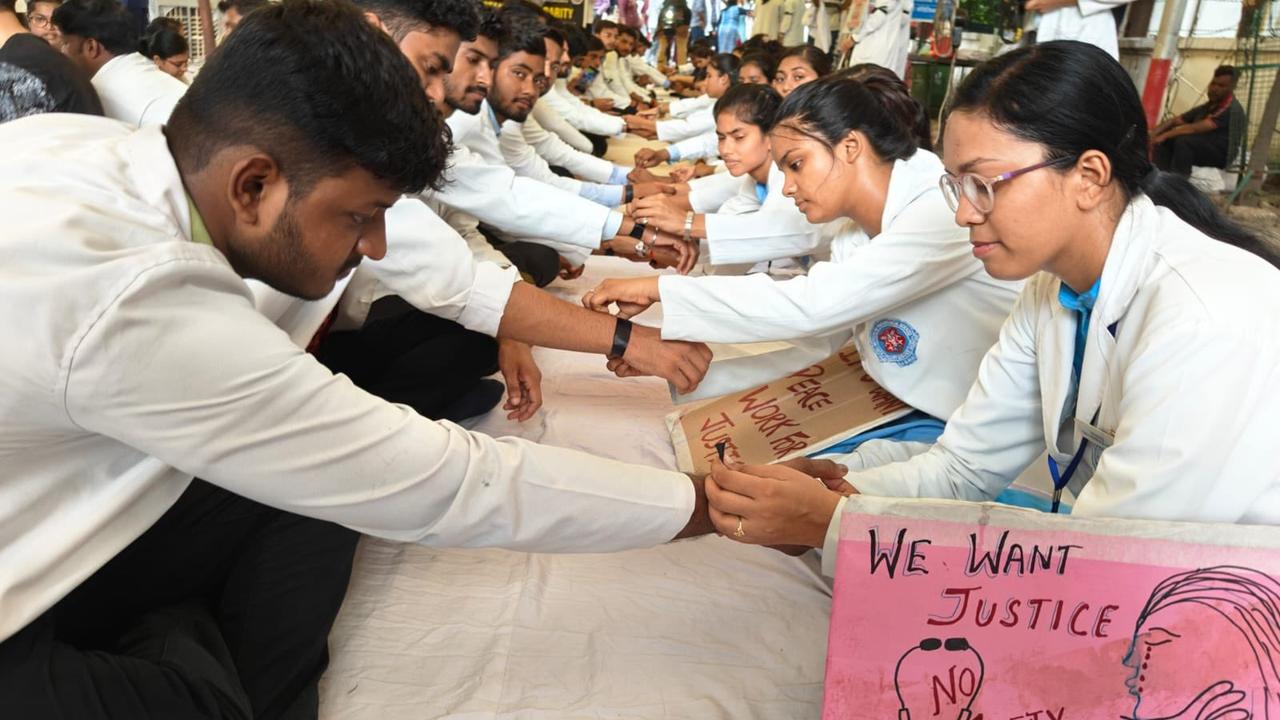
x,y
1205,136
36,78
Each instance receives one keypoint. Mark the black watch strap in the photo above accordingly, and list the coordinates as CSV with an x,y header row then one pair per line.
x,y
637,231
628,193
621,338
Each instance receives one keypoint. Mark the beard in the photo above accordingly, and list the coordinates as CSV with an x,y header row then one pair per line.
x,y
510,110
282,262
465,103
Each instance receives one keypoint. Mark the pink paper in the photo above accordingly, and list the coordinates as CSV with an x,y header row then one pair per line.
x,y
1069,625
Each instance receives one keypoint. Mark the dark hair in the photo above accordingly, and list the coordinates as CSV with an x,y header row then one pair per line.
x,y
554,35
575,38
1070,97
9,5
754,104
526,9
244,7
701,51
520,34
1227,70
164,22
162,43
405,16
764,44
106,21
490,24
601,25
760,59
321,90
727,64
891,91
593,44
828,110
812,56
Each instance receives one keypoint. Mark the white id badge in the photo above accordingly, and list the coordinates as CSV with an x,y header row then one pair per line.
x,y
1099,437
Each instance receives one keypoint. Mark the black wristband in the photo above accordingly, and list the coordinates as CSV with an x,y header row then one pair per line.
x,y
628,193
621,338
637,231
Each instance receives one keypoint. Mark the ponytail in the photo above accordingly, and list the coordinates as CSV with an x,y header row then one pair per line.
x,y
897,99
1175,192
828,110
1070,97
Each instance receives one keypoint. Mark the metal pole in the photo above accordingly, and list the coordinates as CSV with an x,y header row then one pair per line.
x,y
1166,47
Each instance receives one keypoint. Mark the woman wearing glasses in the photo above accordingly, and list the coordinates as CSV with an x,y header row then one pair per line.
x,y
1144,353
902,283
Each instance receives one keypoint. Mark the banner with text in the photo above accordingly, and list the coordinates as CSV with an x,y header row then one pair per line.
x,y
981,612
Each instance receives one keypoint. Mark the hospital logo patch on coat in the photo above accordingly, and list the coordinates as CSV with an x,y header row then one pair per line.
x,y
895,341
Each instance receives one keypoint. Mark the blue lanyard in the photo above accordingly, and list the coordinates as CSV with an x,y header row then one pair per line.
x,y
1060,479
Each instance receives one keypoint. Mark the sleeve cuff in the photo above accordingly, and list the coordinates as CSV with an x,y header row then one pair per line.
x,y
673,153
612,224
488,301
832,543
619,175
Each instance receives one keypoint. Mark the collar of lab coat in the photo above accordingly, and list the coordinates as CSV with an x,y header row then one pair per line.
x,y
155,176
1122,274
908,180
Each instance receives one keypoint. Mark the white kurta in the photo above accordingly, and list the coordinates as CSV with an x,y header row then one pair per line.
x,y
921,309
134,90
137,361
1089,21
1186,390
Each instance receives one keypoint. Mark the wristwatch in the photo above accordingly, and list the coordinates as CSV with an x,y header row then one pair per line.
x,y
688,227
637,230
621,338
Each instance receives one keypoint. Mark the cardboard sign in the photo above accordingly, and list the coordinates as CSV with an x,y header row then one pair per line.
x,y
794,415
981,612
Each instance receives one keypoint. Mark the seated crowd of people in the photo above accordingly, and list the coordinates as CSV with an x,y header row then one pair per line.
x,y
250,303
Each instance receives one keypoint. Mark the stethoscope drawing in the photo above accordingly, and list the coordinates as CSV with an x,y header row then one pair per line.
x,y
930,645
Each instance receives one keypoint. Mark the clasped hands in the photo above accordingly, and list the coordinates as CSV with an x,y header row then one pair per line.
x,y
787,506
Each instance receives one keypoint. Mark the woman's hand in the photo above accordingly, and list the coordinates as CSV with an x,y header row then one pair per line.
x,y
660,211
642,126
641,175
524,380
682,173
770,504
647,189
632,296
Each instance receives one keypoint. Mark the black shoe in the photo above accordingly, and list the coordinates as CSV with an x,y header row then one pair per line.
x,y
480,399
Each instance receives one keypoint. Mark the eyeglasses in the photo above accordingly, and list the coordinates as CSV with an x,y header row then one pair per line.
x,y
981,191
38,21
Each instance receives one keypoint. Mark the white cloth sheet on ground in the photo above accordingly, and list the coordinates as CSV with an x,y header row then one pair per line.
x,y
705,628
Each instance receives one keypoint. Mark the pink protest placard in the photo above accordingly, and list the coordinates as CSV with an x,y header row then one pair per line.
x,y
969,611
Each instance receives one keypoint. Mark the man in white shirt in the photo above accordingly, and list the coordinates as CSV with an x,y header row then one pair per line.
x,y
617,73
101,37
130,591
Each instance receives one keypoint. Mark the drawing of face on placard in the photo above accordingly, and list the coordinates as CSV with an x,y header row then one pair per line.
x,y
938,678
1207,646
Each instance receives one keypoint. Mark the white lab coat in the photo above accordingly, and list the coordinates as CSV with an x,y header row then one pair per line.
x,y
1088,21
885,36
791,23
777,230
555,151
919,306
698,122
553,121
638,66
684,107
1187,390
581,115
599,88
617,73
137,361
481,183
134,90
703,146
708,193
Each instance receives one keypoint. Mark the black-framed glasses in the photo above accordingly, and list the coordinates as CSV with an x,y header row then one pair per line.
x,y
981,191
36,20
